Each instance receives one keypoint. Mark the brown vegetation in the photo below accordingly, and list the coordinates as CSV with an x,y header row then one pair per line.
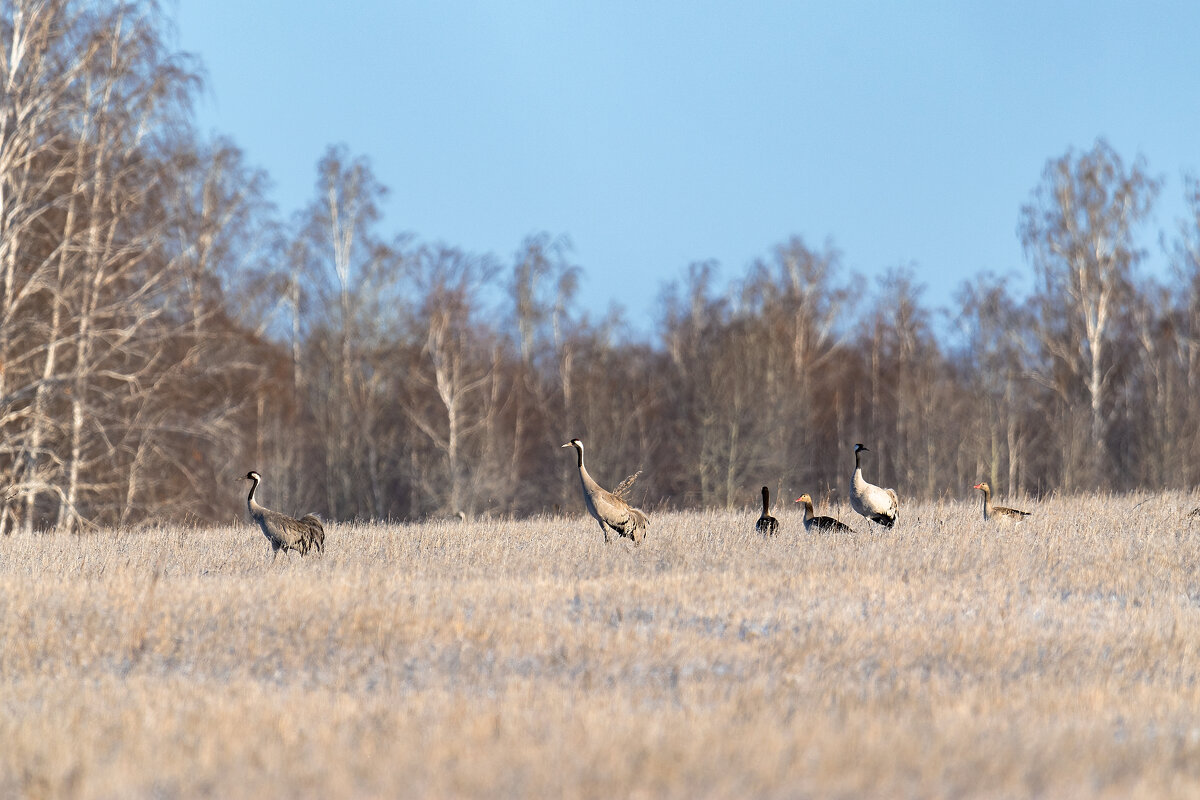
x,y
163,330
943,658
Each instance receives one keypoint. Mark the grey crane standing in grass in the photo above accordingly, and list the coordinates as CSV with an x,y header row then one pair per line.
x,y
284,532
766,525
813,522
876,504
997,512
610,508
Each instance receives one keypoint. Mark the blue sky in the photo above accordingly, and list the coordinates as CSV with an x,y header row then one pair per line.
x,y
656,134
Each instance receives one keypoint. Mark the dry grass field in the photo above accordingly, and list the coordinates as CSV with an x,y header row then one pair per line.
x,y
945,658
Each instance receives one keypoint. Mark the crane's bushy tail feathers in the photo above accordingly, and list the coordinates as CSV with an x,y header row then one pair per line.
x,y
314,535
635,527
640,520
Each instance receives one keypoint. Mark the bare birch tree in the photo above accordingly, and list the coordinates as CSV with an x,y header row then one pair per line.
x,y
998,353
799,299
1185,329
454,394
107,309
354,278
543,287
38,188
1079,232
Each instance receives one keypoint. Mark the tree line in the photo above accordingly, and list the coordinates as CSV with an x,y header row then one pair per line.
x,y
163,330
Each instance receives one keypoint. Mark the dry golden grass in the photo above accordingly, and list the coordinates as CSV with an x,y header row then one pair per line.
x,y
945,658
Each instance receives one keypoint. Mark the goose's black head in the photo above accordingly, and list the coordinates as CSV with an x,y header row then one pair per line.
x,y
860,446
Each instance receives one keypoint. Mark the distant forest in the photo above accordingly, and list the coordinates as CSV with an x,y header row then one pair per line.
x,y
163,330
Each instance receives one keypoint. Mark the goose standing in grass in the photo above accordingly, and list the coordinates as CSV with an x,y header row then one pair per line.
x,y
820,524
766,525
876,504
284,532
997,512
609,508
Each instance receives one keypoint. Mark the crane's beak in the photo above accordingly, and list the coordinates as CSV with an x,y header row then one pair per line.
x,y
568,444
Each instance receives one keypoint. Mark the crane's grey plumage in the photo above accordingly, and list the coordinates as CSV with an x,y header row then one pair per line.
x,y
766,525
997,512
609,509
876,504
316,533
284,532
813,522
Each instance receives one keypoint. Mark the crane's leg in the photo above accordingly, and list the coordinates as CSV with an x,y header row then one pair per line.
x,y
604,530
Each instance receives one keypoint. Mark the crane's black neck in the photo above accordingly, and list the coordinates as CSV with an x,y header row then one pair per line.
x,y
253,486
579,452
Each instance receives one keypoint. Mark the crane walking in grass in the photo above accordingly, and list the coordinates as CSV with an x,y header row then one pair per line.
x,y
610,508
876,504
284,532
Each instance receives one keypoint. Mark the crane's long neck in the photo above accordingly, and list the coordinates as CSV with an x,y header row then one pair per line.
x,y
250,504
987,500
586,481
